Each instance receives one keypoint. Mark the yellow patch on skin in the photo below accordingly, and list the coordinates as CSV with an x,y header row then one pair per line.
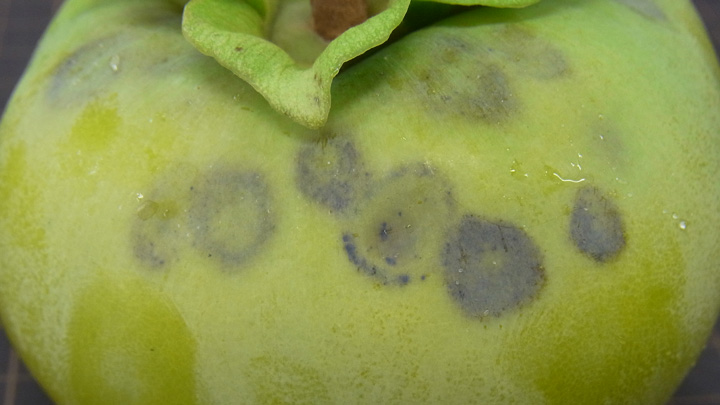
x,y
22,240
129,345
91,135
18,196
97,125
582,356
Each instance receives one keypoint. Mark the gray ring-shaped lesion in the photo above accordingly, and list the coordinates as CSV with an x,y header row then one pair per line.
x,y
157,233
231,215
331,173
396,234
225,214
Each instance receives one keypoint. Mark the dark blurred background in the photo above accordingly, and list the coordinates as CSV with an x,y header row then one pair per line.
x,y
21,24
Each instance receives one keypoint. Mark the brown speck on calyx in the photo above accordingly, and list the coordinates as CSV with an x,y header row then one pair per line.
x,y
333,17
238,49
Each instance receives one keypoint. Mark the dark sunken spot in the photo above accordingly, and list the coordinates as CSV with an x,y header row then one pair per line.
x,y
385,231
80,74
355,258
368,267
231,215
398,232
493,101
485,95
529,54
491,267
596,225
331,174
646,8
91,69
490,70
148,252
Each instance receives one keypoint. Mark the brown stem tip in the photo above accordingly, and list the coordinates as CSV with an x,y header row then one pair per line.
x,y
333,17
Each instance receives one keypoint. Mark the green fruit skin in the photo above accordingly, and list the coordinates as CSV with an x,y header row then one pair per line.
x,y
114,290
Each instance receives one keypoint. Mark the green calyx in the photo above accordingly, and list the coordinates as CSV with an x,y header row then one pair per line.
x,y
271,44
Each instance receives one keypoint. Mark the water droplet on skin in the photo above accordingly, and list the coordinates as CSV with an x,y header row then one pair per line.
x,y
115,63
147,210
564,180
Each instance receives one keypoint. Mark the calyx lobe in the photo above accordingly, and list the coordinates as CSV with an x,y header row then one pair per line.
x,y
273,46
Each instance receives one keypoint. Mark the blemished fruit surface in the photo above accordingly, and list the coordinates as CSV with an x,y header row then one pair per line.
x,y
509,205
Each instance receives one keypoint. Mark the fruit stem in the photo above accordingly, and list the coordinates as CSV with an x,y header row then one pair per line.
x,y
333,17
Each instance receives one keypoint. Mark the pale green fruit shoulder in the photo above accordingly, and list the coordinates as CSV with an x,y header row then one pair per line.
x,y
169,237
